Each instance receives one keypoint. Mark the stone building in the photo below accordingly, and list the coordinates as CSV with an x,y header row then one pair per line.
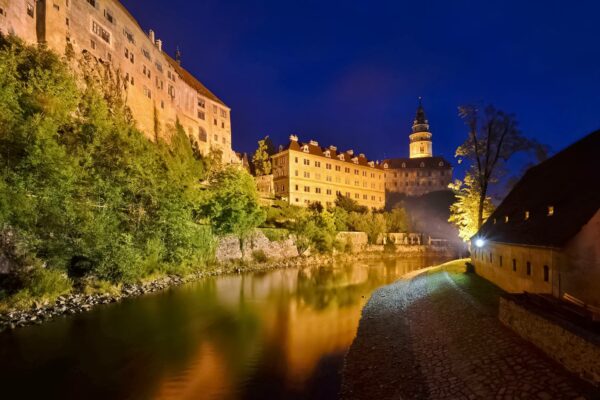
x,y
421,173
545,236
305,173
159,90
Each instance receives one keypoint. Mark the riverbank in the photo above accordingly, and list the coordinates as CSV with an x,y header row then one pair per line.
x,y
79,301
435,335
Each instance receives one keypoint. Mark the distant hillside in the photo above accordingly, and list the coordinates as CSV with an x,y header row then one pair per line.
x,y
429,213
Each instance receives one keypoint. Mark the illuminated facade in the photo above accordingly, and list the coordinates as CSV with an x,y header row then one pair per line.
x,y
421,173
305,173
159,90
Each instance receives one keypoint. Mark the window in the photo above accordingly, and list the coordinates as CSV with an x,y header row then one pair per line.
x,y
216,138
327,166
158,66
514,265
129,36
329,191
30,9
201,103
100,31
500,260
356,196
317,164
317,190
109,17
306,161
307,189
147,92
550,211
528,268
223,113
146,53
506,219
214,121
201,115
297,188
546,273
296,160
491,257
93,46
202,135
355,172
222,124
526,215
92,3
306,174
338,168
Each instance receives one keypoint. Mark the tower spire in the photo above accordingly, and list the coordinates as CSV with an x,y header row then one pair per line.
x,y
420,139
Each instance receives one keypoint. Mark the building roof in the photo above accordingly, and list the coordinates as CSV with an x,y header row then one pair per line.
x,y
192,81
428,162
569,182
420,117
330,152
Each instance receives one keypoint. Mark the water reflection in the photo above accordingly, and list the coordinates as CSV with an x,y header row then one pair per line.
x,y
278,334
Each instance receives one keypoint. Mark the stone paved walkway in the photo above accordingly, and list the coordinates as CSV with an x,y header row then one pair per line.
x,y
427,339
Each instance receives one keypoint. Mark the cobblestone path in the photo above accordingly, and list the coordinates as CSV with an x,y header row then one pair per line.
x,y
427,339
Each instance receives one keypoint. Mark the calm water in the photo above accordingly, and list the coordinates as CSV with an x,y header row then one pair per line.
x,y
273,335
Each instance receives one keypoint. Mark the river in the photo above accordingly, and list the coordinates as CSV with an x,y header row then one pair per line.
x,y
280,334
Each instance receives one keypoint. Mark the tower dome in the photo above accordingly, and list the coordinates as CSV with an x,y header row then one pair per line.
x,y
420,138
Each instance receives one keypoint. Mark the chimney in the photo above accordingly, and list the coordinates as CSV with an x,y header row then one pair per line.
x,y
332,148
151,35
294,138
314,143
362,155
178,56
351,152
159,45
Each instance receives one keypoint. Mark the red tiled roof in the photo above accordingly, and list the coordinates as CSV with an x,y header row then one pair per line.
x,y
193,82
428,162
569,182
333,153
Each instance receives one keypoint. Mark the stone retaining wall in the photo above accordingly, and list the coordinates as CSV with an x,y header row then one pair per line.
x,y
229,248
575,352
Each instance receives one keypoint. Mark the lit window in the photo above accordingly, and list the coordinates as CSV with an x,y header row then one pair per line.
x,y
528,268
550,211
526,215
100,31
506,219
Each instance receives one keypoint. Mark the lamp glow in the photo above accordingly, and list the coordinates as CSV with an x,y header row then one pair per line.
x,y
479,242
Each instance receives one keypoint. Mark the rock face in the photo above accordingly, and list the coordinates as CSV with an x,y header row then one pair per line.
x,y
229,248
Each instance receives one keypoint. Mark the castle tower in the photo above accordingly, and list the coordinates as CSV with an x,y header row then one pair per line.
x,y
420,139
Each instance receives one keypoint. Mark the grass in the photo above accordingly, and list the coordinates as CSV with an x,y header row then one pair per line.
x,y
483,291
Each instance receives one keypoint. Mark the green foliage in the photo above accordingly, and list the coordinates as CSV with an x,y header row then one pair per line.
x,y
389,246
42,284
275,234
259,256
86,192
464,212
232,205
315,230
349,204
262,157
283,214
397,220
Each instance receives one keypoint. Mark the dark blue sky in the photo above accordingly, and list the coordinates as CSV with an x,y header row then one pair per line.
x,y
349,73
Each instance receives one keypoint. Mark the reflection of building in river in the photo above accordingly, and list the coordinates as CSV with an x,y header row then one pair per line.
x,y
280,326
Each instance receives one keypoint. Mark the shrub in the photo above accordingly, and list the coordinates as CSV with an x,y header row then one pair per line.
x,y
275,235
43,284
259,256
389,246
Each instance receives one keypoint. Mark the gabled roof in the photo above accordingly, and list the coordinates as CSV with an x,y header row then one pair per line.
x,y
569,182
191,81
428,162
315,149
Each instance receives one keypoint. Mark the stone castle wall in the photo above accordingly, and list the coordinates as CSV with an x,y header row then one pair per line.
x,y
577,353
157,88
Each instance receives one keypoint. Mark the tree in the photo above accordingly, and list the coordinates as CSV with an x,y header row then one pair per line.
x,y
349,204
494,137
232,205
397,220
262,157
464,213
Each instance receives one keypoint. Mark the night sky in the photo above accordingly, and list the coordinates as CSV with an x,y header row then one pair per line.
x,y
349,73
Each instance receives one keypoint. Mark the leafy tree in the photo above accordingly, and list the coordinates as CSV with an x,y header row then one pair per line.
x,y
493,138
262,157
232,205
349,204
397,220
464,213
316,229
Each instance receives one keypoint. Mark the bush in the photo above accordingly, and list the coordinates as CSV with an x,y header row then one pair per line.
x,y
389,246
42,284
275,235
259,256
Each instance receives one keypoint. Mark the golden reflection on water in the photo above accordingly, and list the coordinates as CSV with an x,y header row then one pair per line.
x,y
298,317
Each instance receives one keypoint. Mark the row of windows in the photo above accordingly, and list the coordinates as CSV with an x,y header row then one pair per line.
x,y
527,215
499,260
415,183
328,166
329,192
328,178
418,173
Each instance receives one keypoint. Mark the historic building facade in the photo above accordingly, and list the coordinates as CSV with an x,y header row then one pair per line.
x,y
159,90
305,173
544,236
421,173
